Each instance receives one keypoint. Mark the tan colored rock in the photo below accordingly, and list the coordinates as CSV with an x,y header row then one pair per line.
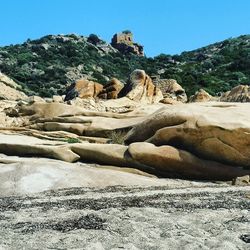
x,y
112,89
140,88
57,98
20,145
201,96
86,88
168,100
240,93
47,110
214,131
83,88
241,180
164,161
34,98
89,125
9,89
171,89
173,162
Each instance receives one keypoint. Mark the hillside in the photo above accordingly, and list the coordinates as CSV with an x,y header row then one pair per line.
x,y
48,65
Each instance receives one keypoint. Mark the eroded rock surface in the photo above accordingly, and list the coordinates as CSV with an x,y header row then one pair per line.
x,y
240,93
9,89
201,96
171,90
83,88
141,88
215,131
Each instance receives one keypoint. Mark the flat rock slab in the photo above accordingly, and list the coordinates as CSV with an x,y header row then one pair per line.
x,y
24,176
213,217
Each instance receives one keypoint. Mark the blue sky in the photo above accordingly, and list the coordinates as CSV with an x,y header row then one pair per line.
x,y
162,26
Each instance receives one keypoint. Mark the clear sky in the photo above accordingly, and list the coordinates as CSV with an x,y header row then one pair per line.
x,y
162,26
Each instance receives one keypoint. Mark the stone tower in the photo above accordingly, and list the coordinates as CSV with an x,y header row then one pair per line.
x,y
125,44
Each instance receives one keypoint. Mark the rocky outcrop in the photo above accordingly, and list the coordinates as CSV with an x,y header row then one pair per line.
x,y
201,96
124,43
174,162
84,89
140,88
9,89
112,89
164,161
206,130
240,93
192,141
171,90
18,174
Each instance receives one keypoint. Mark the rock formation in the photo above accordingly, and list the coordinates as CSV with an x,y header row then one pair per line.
x,y
207,131
170,90
201,96
192,141
83,88
140,87
124,43
111,90
9,89
240,93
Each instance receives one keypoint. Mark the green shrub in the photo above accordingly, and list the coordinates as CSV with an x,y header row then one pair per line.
x,y
73,140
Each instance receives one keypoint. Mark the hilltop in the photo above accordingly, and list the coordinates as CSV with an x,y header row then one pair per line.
x,y
48,65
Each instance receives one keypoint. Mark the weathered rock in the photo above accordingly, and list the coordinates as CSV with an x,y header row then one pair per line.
x,y
48,110
173,162
20,145
9,89
111,89
201,96
124,43
84,89
57,98
164,161
89,125
169,100
240,93
25,176
34,98
171,89
241,180
140,88
206,130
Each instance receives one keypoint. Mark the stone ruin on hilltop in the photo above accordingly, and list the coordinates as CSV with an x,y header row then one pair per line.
x,y
125,44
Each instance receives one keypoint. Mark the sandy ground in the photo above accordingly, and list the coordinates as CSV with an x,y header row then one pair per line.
x,y
195,217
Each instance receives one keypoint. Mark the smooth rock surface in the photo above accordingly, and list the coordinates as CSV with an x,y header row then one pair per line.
x,y
173,162
24,176
214,131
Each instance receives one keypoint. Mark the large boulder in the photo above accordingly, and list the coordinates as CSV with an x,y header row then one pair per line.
x,y
111,89
163,161
140,88
173,162
240,93
9,89
214,131
201,96
171,89
83,88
